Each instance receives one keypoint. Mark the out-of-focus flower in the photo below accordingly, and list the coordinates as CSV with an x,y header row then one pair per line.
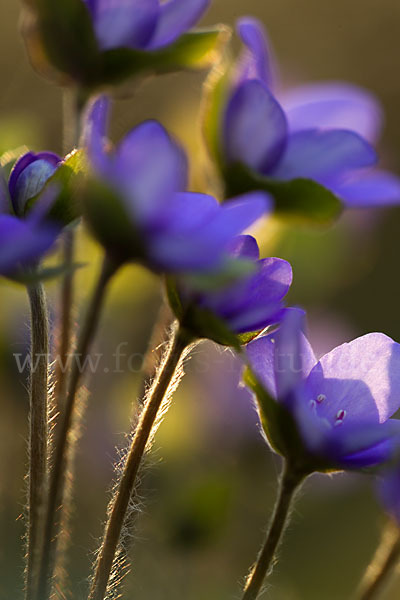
x,y
25,239
143,24
328,414
320,132
28,177
98,43
137,206
249,303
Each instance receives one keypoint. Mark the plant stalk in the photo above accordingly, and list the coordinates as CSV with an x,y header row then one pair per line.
x,y
382,565
289,485
74,104
120,503
38,434
57,479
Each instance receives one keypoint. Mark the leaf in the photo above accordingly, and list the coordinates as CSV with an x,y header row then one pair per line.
x,y
194,50
66,180
300,199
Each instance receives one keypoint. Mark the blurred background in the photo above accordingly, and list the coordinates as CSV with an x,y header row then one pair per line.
x,y
209,486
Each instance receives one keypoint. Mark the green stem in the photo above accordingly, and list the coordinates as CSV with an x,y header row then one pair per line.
x,y
382,565
57,480
120,503
38,435
289,484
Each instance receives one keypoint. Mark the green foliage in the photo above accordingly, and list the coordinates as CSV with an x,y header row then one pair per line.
x,y
194,50
277,423
300,199
66,31
199,322
215,97
110,222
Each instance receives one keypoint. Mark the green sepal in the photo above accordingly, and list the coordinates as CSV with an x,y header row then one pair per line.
x,y
215,98
62,45
199,322
173,298
65,183
65,33
194,50
228,274
246,338
109,221
203,323
278,424
10,157
300,199
6,204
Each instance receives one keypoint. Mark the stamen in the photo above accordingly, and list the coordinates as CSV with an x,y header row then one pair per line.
x,y
340,416
321,398
312,404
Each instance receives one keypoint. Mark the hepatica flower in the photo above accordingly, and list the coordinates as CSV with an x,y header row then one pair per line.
x,y
322,132
25,239
328,414
138,208
249,303
143,24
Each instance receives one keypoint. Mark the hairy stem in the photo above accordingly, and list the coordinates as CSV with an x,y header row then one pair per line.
x,y
382,565
38,435
289,484
66,328
153,353
120,503
57,479
74,105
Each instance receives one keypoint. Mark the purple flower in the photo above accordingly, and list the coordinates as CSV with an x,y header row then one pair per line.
x,y
146,215
143,24
28,177
321,132
340,406
254,300
25,240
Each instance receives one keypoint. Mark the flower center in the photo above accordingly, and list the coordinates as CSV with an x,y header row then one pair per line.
x,y
340,415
